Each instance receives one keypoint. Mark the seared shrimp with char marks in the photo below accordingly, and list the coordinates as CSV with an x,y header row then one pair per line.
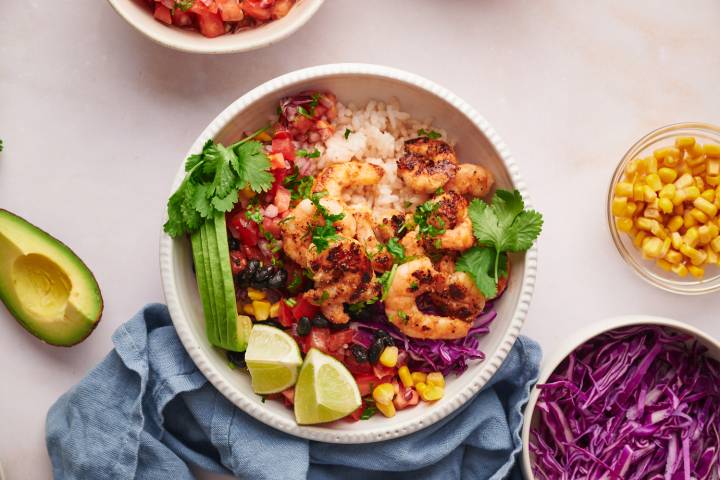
x,y
337,177
472,180
382,260
389,225
427,164
454,296
297,228
342,274
452,215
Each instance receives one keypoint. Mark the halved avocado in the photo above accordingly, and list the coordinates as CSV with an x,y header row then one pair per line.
x,y
46,287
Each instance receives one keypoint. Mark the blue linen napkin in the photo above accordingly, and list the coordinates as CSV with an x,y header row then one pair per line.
x,y
146,411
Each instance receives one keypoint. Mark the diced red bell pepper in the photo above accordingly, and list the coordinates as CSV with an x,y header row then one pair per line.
x,y
243,229
355,367
181,19
381,371
238,262
406,397
285,315
355,415
303,308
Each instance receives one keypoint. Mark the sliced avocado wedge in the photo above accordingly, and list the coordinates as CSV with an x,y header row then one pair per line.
x,y
238,327
200,261
44,285
218,288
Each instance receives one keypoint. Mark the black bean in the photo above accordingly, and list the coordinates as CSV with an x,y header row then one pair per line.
x,y
320,321
359,352
385,337
278,279
263,274
234,244
375,350
236,358
335,327
246,275
303,326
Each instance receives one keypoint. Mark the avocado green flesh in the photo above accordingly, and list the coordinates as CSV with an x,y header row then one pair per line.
x,y
44,285
199,256
224,327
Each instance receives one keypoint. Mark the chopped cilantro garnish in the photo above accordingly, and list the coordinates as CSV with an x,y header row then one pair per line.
x,y
314,102
290,302
431,134
347,133
407,204
183,5
254,214
304,153
294,283
325,295
439,191
422,216
414,286
368,412
403,316
386,280
396,249
322,235
300,187
301,110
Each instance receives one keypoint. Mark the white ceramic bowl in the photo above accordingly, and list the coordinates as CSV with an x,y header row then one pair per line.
x,y
137,14
477,141
577,339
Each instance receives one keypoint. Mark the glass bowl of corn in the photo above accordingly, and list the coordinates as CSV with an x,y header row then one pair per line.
x,y
663,208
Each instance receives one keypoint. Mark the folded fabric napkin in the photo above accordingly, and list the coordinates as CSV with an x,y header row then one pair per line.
x,y
146,411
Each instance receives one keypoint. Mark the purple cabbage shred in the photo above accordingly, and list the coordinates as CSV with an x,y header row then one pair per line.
x,y
634,403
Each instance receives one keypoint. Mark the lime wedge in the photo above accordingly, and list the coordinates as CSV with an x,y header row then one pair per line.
x,y
273,359
325,390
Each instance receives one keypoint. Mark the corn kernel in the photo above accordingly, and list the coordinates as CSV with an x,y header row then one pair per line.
x,y
432,393
666,152
713,180
715,244
639,192
654,213
705,206
654,182
624,224
692,192
652,247
248,308
708,195
712,257
714,230
666,247
667,191
384,393
436,379
419,377
689,220
631,208
624,189
678,198
275,310
664,264
387,409
650,195
695,271
405,376
619,205
667,175
665,205
697,257
641,165
676,240
696,150
389,356
639,238
711,150
684,181
671,161
645,223
691,237
651,164
261,309
255,294
695,161
697,171
699,215
675,223
704,236
680,270
674,257
420,386
684,142
659,231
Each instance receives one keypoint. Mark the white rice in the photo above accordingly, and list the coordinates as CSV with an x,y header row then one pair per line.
x,y
377,135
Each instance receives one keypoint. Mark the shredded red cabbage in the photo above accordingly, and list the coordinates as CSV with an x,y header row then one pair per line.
x,y
446,356
634,403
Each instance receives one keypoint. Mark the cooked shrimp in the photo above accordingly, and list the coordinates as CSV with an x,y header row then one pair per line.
x,y
342,274
455,296
339,176
427,164
472,180
452,215
296,230
382,260
413,245
389,225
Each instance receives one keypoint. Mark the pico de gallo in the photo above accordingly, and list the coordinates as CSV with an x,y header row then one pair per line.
x,y
213,18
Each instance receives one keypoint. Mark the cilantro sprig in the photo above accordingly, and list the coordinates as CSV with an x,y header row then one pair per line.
x,y
213,179
432,134
422,216
501,227
300,186
323,235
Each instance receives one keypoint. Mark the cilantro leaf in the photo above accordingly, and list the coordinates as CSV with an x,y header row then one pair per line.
x,y
432,134
396,249
253,167
524,230
386,280
479,262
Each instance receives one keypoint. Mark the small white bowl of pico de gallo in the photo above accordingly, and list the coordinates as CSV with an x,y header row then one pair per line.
x,y
216,26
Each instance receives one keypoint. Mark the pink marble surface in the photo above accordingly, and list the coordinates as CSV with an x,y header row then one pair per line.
x,y
95,119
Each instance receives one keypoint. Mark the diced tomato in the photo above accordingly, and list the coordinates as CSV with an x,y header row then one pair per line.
x,y
337,340
355,367
365,383
252,253
282,199
277,161
230,10
282,143
271,226
255,9
406,397
243,229
281,8
181,19
162,13
318,338
289,395
302,124
238,262
382,371
211,25
303,308
200,8
355,416
285,315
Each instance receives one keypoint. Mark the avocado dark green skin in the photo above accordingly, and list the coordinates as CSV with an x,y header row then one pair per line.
x,y
17,315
